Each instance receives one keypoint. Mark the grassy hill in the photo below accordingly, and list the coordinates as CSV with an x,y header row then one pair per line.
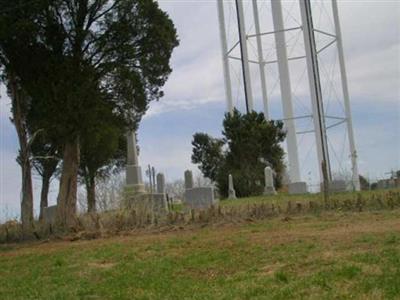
x,y
328,255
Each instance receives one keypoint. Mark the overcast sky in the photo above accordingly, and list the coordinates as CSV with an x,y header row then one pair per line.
x,y
194,95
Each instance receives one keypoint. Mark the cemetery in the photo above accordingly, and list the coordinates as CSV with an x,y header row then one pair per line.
x,y
269,197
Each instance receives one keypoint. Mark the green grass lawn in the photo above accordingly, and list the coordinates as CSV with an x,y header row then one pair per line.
x,y
283,198
330,256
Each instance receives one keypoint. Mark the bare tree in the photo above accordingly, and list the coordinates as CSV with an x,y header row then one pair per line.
x,y
175,189
109,192
201,181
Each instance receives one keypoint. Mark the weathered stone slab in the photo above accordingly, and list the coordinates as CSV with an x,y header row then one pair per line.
x,y
231,188
298,188
160,183
199,198
146,203
269,188
338,186
188,179
50,214
134,178
159,203
134,200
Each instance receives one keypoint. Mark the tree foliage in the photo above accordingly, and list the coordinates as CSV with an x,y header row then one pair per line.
x,y
249,143
45,161
208,152
103,153
80,61
364,183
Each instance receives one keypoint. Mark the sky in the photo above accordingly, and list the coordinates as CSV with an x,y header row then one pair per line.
x,y
194,98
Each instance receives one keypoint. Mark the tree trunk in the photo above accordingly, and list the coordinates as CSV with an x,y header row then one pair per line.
x,y
44,194
27,196
49,167
19,120
67,195
91,193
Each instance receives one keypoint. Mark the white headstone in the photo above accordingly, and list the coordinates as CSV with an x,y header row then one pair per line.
x,y
269,182
231,189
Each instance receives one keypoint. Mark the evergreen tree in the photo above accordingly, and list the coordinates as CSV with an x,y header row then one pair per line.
x,y
72,56
249,143
103,153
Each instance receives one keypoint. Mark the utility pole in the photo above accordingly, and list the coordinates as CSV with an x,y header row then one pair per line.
x,y
316,93
244,56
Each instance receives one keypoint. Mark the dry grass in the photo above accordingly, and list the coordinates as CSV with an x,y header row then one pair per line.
x,y
96,225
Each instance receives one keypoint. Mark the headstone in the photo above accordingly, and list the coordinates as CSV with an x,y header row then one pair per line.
x,y
134,178
231,189
298,188
269,188
153,173
188,179
159,199
49,214
150,178
160,183
337,186
199,198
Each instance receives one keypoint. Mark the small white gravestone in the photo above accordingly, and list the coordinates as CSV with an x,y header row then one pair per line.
x,y
269,182
231,189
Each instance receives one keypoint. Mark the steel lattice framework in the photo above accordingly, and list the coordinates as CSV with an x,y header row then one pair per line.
x,y
282,60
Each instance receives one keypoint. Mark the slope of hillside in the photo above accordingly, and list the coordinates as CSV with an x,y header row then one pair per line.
x,y
333,255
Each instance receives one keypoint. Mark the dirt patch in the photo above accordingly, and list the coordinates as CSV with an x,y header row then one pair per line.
x,y
102,265
271,269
